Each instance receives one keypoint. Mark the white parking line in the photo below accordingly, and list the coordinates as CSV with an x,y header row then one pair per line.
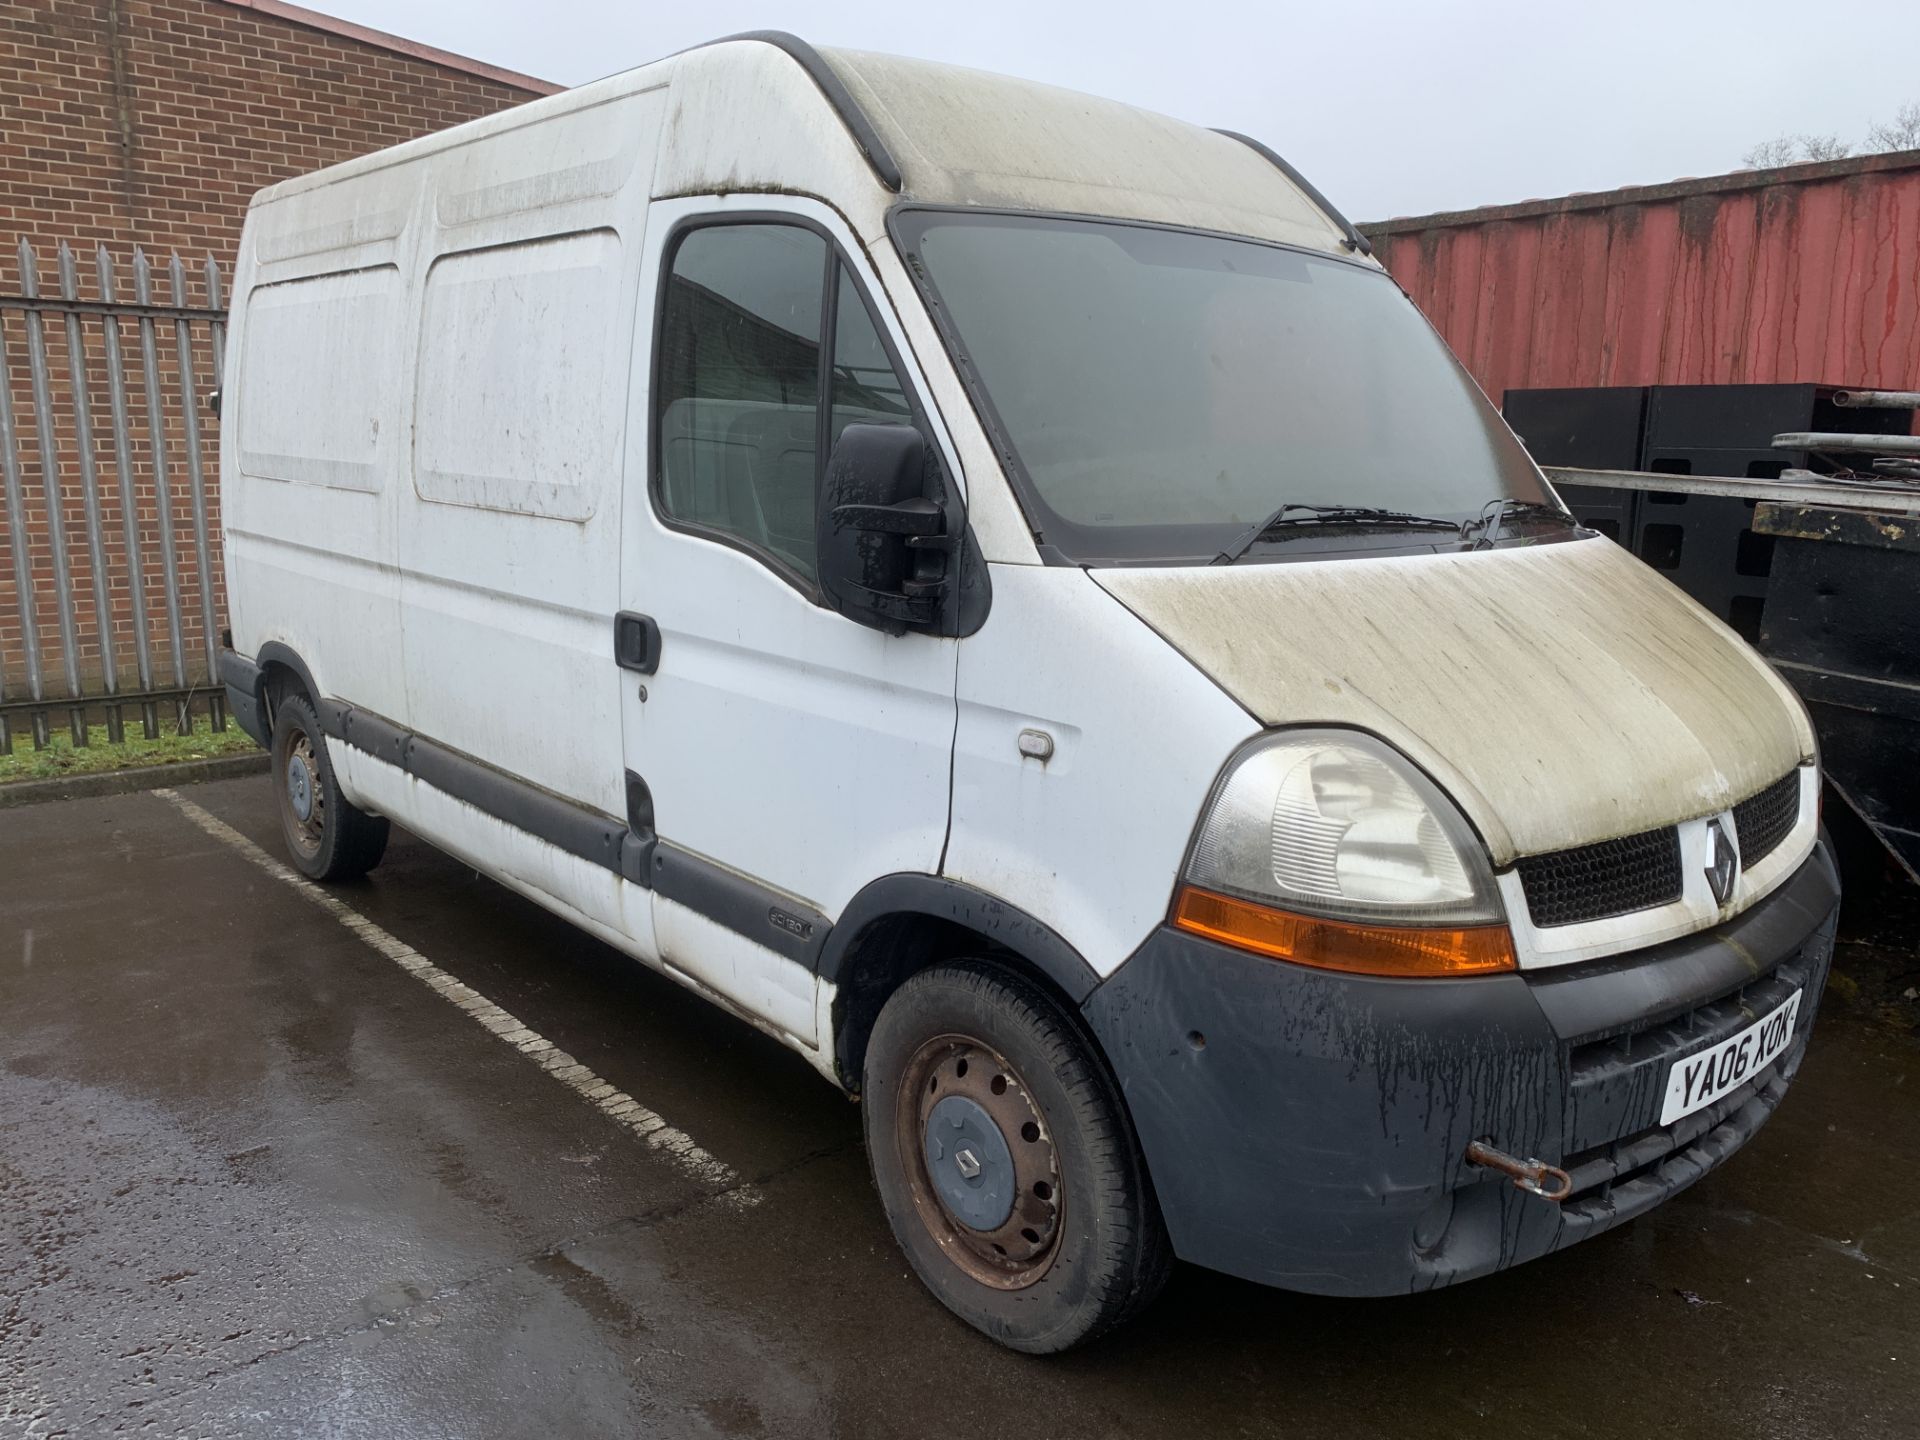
x,y
615,1103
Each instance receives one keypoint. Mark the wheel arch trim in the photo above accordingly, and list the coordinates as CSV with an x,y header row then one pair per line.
x,y
939,898
274,652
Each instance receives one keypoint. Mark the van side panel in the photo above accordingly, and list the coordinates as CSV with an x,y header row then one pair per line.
x,y
423,480
315,418
509,527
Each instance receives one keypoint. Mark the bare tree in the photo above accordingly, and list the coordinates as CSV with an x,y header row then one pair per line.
x,y
1903,133
1900,133
1796,150
1772,154
1825,147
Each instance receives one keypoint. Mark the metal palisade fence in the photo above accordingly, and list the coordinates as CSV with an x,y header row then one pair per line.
x,y
109,564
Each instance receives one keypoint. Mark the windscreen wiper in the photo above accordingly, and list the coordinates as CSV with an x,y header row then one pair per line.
x,y
1495,514
1333,516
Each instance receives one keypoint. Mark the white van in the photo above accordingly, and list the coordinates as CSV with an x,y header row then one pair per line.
x,y
1001,592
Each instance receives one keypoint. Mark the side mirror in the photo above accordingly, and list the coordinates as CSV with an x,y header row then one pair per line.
x,y
883,545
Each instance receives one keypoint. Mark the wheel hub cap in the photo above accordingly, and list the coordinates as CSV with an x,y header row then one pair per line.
x,y
981,1167
969,1162
300,788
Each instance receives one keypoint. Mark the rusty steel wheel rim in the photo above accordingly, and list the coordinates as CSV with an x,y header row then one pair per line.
x,y
303,800
967,1129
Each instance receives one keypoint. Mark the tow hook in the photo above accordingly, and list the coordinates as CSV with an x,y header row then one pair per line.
x,y
1536,1177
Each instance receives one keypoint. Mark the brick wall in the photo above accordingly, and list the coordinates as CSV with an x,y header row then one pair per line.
x,y
151,123
154,121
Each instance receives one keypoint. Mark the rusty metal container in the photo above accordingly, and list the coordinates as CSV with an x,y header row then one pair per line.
x,y
1804,273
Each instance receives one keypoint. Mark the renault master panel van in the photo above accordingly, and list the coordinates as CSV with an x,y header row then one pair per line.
x,y
1000,591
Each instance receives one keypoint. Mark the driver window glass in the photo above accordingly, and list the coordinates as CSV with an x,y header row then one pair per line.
x,y
866,388
737,407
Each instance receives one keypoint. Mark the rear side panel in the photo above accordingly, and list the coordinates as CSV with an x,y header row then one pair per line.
x,y
428,384
313,458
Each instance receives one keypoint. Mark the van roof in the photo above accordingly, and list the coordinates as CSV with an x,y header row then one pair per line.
x,y
970,137
932,133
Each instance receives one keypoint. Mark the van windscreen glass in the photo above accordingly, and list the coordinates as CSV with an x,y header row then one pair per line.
x,y
1162,390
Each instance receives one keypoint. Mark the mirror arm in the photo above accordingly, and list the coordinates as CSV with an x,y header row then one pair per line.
x,y
903,607
920,518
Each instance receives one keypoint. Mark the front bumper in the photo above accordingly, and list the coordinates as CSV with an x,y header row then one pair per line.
x,y
1307,1129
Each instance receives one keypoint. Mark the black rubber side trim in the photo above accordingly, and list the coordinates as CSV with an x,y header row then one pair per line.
x,y
332,716
1355,240
944,899
744,906
379,738
1644,987
579,830
594,837
851,115
629,847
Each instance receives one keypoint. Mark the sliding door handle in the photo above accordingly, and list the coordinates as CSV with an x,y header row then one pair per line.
x,y
636,642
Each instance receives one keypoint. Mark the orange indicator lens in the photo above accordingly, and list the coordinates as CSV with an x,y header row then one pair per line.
x,y
1342,945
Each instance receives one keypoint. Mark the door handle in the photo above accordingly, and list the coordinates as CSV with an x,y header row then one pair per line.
x,y
636,642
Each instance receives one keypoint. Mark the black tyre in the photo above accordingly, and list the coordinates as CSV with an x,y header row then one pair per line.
x,y
1006,1162
327,836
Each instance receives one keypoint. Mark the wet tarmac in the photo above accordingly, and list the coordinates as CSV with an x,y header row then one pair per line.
x,y
256,1179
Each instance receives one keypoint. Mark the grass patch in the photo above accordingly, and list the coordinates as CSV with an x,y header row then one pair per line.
x,y
61,757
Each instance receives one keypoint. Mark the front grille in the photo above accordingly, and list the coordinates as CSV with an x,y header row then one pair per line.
x,y
1593,882
1762,821
1614,1077
1652,1163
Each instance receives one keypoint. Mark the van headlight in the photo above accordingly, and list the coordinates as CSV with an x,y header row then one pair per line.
x,y
1329,848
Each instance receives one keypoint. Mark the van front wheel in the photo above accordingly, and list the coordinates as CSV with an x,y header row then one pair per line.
x,y
328,837
1006,1162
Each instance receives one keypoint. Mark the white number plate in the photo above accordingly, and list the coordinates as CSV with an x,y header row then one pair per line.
x,y
1702,1079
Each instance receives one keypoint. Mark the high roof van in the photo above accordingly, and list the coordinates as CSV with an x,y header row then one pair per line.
x,y
1000,591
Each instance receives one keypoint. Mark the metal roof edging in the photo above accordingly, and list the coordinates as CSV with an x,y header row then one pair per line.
x,y
1354,239
878,156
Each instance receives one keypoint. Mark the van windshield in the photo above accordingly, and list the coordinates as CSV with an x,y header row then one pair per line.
x,y
1161,390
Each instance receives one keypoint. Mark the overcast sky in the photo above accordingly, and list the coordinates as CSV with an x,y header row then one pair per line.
x,y
1392,108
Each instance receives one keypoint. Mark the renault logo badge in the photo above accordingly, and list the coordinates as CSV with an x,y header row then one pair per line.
x,y
1723,863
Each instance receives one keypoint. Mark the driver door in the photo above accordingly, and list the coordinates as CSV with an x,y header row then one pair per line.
x,y
783,754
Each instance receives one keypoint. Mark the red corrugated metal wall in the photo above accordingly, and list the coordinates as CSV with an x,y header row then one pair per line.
x,y
1809,273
